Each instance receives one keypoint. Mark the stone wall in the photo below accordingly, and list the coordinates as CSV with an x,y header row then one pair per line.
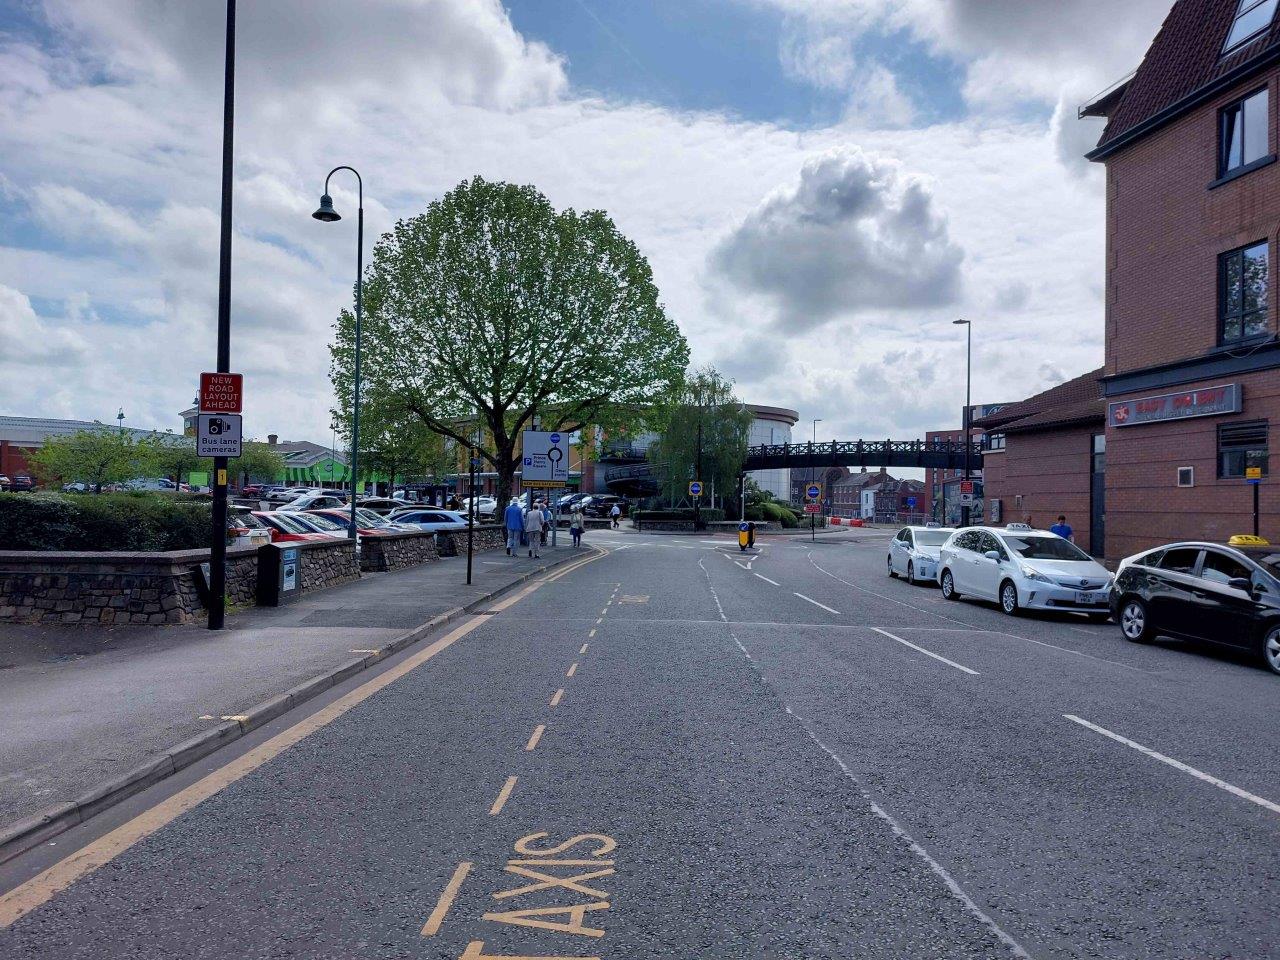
x,y
150,588
324,563
453,543
395,551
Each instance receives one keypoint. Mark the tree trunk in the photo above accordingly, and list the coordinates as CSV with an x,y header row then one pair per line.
x,y
506,476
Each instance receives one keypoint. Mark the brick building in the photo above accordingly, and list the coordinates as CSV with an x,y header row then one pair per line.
x,y
1192,374
1052,460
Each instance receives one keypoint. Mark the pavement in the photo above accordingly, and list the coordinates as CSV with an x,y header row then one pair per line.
x,y
79,705
678,750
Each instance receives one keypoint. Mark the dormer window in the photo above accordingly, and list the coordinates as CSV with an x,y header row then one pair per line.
x,y
1252,18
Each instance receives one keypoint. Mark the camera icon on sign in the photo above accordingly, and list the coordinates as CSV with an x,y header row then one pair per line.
x,y
217,426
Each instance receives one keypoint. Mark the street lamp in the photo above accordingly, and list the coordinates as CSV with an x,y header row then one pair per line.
x,y
327,214
968,386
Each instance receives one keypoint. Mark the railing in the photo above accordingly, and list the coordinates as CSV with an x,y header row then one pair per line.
x,y
941,453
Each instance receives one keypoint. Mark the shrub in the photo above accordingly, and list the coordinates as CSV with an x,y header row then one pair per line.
x,y
111,522
778,514
678,515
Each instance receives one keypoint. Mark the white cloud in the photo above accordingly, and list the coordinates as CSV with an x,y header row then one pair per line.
x,y
854,234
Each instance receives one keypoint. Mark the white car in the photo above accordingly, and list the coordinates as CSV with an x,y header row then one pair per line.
x,y
429,518
913,553
313,500
284,494
485,506
1023,569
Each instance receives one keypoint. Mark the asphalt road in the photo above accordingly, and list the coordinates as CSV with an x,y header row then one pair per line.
x,y
677,751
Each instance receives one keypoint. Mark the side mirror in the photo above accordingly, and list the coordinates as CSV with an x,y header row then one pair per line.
x,y
1243,584
992,554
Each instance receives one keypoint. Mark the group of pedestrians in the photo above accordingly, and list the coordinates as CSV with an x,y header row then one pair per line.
x,y
530,525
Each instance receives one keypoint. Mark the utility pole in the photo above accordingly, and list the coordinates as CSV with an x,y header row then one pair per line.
x,y
218,544
968,409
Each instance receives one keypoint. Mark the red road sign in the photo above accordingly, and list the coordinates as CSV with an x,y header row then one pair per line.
x,y
966,486
813,508
221,392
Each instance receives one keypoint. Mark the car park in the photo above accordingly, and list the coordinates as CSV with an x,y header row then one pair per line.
x,y
319,524
1023,569
368,523
1216,593
913,553
313,500
284,494
246,530
485,506
285,527
382,505
428,519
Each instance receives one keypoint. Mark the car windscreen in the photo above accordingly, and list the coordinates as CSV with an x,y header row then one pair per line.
x,y
282,521
369,518
245,520
324,523
1045,548
931,538
1269,562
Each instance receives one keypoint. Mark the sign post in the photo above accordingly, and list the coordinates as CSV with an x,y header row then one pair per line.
x,y
1253,477
813,492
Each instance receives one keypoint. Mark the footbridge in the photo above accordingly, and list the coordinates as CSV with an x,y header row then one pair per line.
x,y
939,454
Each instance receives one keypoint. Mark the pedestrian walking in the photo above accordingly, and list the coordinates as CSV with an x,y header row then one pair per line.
x,y
577,523
615,514
513,520
546,521
1063,529
533,526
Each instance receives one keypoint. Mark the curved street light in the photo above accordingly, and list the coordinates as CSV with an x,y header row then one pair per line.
x,y
327,214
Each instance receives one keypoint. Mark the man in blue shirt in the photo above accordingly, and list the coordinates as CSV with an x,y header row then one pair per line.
x,y
1062,528
513,519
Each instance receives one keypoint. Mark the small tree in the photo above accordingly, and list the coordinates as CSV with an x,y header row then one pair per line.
x,y
494,306
94,457
705,400
256,460
172,456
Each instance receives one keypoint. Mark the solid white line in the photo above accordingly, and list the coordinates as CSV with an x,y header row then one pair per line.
x,y
816,603
927,653
1178,765
767,580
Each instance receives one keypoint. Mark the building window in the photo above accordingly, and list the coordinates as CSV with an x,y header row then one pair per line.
x,y
1242,293
1243,133
1242,445
1252,17
993,441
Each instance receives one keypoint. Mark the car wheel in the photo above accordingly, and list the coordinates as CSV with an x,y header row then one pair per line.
x,y
1135,623
1009,598
892,574
911,572
949,586
1271,648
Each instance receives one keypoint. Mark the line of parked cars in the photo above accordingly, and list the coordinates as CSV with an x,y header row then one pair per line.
x,y
1225,594
19,483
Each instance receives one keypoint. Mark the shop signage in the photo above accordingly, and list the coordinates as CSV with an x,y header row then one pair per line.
x,y
1205,402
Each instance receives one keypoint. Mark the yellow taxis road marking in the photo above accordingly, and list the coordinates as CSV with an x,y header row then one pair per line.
x,y
475,951
503,795
447,896
572,669
584,649
22,899
537,735
555,698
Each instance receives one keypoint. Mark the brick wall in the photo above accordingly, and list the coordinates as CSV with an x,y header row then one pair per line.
x,y
395,551
1165,230
487,537
1050,470
324,564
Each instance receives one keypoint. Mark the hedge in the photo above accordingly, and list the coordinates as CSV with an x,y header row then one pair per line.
x,y
109,521
775,512
679,515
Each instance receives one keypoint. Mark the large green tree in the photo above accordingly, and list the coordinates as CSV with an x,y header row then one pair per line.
x,y
492,305
703,399
94,457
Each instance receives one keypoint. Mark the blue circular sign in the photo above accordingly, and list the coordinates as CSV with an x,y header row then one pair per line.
x,y
555,438
695,488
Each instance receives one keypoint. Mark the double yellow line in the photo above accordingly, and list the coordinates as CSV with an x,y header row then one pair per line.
x,y
41,888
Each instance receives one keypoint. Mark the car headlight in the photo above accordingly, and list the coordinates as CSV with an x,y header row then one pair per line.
x,y
1033,574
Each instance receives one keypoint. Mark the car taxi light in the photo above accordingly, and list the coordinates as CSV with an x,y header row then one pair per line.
x,y
1248,540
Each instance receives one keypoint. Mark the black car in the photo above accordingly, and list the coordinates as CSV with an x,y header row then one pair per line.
x,y
22,482
599,504
1203,591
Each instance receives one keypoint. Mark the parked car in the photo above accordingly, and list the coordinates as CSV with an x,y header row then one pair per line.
x,y
372,519
286,528
485,506
382,505
314,500
77,486
284,494
1211,592
913,553
566,502
150,483
599,504
244,529
343,519
1021,568
253,490
5,482
22,483
430,519
319,524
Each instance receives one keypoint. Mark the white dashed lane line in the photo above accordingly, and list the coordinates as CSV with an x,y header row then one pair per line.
x,y
767,580
927,653
816,603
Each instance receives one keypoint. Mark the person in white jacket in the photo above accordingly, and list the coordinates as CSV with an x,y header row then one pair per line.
x,y
533,524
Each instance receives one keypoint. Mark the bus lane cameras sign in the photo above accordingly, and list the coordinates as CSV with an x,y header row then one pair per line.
x,y
218,435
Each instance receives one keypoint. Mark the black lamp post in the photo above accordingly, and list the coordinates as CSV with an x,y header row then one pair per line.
x,y
968,385
326,213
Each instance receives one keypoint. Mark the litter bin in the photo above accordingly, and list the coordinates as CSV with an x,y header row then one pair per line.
x,y
279,574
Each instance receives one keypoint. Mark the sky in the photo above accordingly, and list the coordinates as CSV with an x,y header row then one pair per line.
x,y
821,186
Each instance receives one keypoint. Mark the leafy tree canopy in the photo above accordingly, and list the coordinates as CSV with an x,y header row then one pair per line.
x,y
492,304
94,457
703,398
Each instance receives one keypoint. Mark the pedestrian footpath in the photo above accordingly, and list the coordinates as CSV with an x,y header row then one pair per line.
x,y
85,705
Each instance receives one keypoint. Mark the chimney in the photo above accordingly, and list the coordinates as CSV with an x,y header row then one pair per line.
x,y
272,438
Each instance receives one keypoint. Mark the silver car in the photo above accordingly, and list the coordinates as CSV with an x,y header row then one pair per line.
x,y
913,553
